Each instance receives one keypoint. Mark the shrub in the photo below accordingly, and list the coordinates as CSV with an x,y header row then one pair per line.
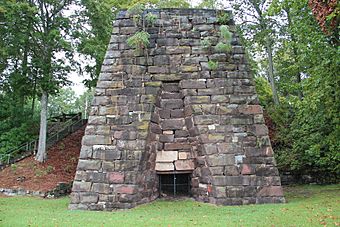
x,y
223,47
139,40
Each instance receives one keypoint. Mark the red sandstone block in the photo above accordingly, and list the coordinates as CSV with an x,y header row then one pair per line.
x,y
184,165
116,177
125,189
251,109
247,169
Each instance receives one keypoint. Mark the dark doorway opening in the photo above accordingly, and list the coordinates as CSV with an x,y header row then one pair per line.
x,y
175,184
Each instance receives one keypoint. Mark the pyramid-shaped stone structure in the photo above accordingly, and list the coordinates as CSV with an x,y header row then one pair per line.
x,y
179,107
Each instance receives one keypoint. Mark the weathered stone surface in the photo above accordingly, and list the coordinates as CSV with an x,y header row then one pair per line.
x,y
184,165
192,84
164,166
96,139
101,188
167,156
221,159
81,186
162,109
172,124
115,177
89,164
88,197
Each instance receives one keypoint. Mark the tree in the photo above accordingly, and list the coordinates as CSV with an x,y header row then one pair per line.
x,y
327,13
257,27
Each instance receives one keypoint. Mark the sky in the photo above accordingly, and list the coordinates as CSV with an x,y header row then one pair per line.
x,y
77,79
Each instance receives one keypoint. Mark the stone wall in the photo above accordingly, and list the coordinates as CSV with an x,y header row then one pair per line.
x,y
164,110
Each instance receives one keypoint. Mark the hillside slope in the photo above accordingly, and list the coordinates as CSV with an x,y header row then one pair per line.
x,y
60,167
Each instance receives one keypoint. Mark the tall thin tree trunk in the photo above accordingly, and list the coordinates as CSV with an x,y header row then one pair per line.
x,y
34,95
295,52
42,154
271,72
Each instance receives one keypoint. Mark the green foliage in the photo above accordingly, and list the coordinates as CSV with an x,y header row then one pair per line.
x,y
264,91
150,19
172,4
136,9
206,43
223,47
223,18
312,203
225,33
139,41
210,4
212,65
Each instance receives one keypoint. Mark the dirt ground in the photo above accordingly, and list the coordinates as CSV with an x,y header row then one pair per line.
x,y
60,167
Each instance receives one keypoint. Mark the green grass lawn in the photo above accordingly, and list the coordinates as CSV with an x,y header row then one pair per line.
x,y
308,205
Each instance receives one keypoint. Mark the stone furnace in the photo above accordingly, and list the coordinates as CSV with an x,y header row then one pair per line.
x,y
176,116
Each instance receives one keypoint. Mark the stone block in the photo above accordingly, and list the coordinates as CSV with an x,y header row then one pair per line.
x,y
177,146
219,99
241,121
108,166
115,177
155,128
171,124
247,169
88,197
166,156
101,188
164,166
166,77
206,119
192,84
225,148
184,165
219,192
178,50
232,171
197,100
108,153
166,138
182,155
221,159
89,164
235,192
172,103
79,186
96,177
181,133
101,100
179,113
158,69
89,140
96,120
85,152
209,149
189,68
250,109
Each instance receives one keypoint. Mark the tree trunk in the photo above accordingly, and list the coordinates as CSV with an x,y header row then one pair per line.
x,y
295,52
42,154
271,72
